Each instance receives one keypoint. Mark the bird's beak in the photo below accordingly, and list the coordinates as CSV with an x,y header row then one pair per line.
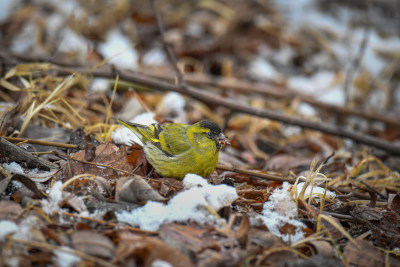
x,y
222,139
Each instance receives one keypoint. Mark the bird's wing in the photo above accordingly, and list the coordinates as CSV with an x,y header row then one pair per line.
x,y
144,132
170,139
173,139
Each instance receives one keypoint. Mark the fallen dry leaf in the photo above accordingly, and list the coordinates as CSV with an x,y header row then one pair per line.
x,y
93,243
363,253
135,189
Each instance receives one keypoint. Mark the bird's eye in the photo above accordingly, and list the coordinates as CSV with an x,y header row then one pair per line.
x,y
209,134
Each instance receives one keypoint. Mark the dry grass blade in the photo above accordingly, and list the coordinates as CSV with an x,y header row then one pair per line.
x,y
337,226
52,98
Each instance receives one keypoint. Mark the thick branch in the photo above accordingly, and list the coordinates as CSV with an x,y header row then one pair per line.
x,y
239,107
12,153
224,83
273,91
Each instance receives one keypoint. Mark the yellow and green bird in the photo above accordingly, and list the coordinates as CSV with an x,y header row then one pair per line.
x,y
177,149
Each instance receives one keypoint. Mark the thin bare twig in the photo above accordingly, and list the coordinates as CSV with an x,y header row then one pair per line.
x,y
42,142
355,64
289,180
167,46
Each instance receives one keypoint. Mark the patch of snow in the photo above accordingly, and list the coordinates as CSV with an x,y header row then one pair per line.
x,y
378,99
7,7
13,168
160,263
12,261
25,39
99,85
125,136
65,259
154,57
289,130
194,180
188,205
312,85
73,42
51,204
54,23
118,50
281,210
6,228
284,55
34,174
306,110
194,29
334,96
25,228
261,69
173,105
373,62
317,192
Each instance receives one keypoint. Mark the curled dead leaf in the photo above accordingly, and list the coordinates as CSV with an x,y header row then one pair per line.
x,y
135,189
93,243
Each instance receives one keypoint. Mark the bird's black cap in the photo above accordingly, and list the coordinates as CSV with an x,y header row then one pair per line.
x,y
211,125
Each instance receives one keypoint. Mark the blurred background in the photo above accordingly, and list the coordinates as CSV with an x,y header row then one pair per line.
x,y
341,52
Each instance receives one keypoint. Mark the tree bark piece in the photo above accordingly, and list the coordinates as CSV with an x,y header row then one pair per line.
x,y
11,153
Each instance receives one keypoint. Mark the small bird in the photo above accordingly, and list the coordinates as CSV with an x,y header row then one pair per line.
x,y
177,149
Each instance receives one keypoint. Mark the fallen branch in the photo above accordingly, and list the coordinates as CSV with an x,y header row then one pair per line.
x,y
225,83
13,153
272,91
209,98
42,142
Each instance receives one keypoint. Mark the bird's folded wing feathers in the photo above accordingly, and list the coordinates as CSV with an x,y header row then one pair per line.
x,y
170,139
173,139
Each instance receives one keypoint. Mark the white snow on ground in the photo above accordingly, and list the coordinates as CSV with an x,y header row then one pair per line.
x,y
261,69
6,228
65,259
51,204
119,50
188,205
73,42
279,211
154,57
173,105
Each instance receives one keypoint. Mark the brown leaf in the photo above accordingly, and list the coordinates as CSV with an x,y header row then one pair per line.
x,y
362,254
323,248
9,210
143,250
93,243
188,239
242,230
31,185
106,154
135,189
286,162
394,202
138,159
262,238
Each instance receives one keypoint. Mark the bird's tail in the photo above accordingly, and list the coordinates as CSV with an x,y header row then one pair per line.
x,y
144,132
